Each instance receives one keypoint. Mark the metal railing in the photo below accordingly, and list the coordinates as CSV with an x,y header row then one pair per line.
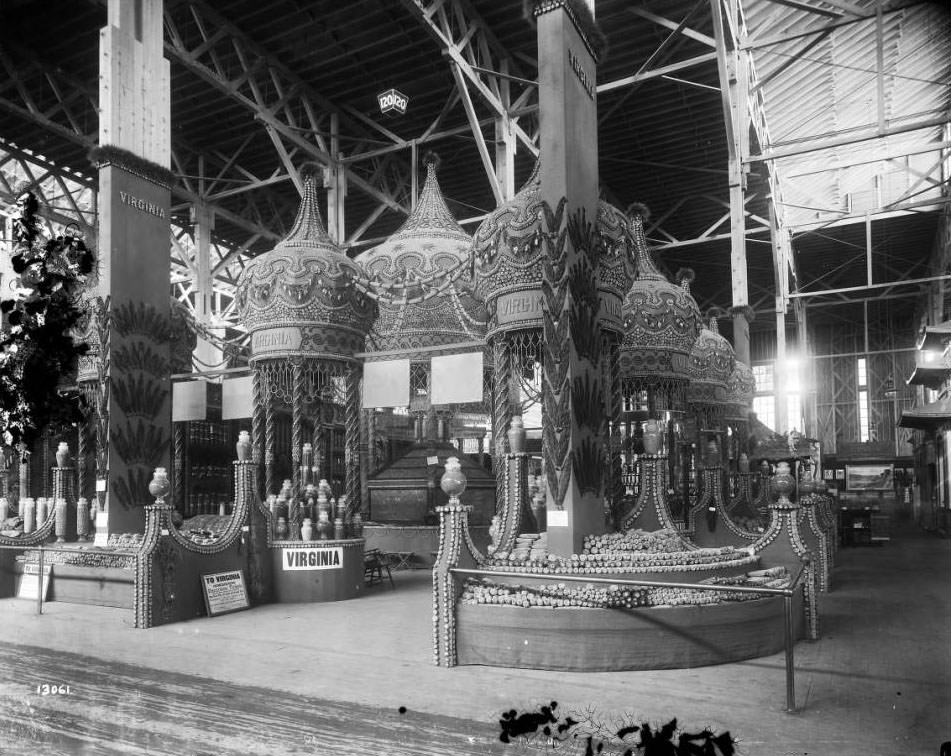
x,y
43,549
786,593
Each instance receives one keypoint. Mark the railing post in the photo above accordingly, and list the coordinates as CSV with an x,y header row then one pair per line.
x,y
790,668
39,586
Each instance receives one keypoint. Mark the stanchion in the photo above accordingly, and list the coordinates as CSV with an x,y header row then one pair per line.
x,y
790,670
39,586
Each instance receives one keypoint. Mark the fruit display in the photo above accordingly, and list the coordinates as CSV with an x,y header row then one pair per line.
x,y
632,551
579,595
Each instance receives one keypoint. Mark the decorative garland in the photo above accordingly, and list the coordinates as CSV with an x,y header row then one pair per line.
x,y
36,345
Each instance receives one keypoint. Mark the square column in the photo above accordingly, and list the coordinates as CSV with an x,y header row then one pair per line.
x,y
574,439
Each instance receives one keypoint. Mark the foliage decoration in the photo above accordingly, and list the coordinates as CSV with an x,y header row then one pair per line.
x,y
37,350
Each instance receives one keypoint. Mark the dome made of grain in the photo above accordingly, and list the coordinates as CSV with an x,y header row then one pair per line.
x,y
299,298
420,277
661,319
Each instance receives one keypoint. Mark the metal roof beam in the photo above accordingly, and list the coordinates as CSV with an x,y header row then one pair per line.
x,y
470,45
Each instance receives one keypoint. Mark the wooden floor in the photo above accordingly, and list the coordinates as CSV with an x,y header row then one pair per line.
x,y
331,678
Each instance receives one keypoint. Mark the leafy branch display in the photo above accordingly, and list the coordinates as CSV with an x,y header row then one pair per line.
x,y
37,349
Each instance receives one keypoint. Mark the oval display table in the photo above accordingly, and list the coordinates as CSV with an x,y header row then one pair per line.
x,y
313,571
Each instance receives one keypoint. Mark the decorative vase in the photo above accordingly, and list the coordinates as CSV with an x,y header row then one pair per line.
x,y
782,484
307,530
540,512
307,456
82,518
42,510
516,435
356,525
286,492
323,487
324,526
341,510
60,520
159,485
280,530
339,530
651,438
243,447
743,464
453,481
222,509
807,485
29,515
62,454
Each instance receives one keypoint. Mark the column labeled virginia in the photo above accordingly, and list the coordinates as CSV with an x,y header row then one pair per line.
x,y
573,421
134,205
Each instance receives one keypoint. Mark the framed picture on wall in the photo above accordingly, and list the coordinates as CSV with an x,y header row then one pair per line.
x,y
828,474
840,474
870,477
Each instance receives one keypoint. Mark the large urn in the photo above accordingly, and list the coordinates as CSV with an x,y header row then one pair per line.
x,y
243,446
782,484
652,437
516,435
453,481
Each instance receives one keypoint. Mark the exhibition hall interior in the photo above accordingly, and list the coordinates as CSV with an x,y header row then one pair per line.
x,y
475,377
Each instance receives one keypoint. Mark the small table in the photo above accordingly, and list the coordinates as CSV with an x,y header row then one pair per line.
x,y
400,560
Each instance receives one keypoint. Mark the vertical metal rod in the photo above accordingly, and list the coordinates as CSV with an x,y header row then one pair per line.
x,y
39,587
790,668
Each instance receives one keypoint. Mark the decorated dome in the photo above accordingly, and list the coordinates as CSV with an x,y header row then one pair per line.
x,y
509,254
420,276
710,366
300,298
661,319
741,387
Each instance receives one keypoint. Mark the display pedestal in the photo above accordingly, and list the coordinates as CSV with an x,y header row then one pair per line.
x,y
314,571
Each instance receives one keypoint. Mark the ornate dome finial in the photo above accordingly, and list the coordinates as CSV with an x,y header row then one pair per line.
x,y
308,229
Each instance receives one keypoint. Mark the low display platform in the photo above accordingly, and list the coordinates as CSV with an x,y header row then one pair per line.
x,y
601,640
315,571
419,541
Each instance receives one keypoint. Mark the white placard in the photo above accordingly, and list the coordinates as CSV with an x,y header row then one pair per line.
x,y
102,529
386,384
327,558
101,485
225,592
557,518
236,398
457,378
29,582
189,401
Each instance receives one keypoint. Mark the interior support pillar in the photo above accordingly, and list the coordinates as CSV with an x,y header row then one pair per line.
x,y
335,182
134,208
573,423
207,354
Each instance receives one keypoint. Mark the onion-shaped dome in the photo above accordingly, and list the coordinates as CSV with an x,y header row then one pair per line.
x,y
420,277
740,389
661,319
509,255
300,298
507,247
711,363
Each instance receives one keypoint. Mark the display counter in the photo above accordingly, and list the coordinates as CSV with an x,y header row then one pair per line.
x,y
314,571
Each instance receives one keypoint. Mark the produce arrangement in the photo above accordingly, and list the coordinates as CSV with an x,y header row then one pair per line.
x,y
566,595
631,551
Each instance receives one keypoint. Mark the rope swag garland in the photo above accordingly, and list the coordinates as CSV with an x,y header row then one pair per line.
x,y
36,344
